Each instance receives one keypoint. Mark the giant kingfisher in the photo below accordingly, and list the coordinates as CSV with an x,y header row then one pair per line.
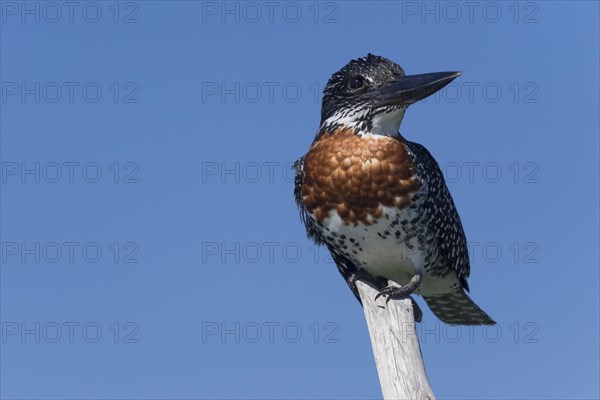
x,y
378,201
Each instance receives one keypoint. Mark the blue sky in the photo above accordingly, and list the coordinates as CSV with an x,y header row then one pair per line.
x,y
150,244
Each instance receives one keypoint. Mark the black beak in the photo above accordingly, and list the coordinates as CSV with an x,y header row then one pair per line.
x,y
406,90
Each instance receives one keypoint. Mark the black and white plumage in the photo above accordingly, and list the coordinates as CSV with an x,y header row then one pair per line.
x,y
378,201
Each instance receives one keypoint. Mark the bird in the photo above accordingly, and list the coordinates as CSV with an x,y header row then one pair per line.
x,y
378,201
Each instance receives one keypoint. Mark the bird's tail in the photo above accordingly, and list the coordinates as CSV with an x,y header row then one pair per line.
x,y
457,309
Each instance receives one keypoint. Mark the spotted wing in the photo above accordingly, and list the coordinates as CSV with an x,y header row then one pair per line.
x,y
443,218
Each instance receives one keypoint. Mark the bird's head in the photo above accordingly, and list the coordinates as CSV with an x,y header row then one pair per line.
x,y
370,95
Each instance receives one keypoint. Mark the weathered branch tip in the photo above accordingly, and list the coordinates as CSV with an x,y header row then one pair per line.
x,y
395,346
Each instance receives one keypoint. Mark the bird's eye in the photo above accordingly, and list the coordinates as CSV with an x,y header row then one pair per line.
x,y
356,82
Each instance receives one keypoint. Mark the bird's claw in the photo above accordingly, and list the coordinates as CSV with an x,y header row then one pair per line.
x,y
402,292
394,292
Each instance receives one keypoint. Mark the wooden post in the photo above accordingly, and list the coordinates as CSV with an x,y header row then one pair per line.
x,y
395,346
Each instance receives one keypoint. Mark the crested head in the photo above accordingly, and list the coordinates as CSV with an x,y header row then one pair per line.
x,y
347,98
370,95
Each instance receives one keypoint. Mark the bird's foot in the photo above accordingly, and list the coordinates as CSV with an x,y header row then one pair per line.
x,y
401,292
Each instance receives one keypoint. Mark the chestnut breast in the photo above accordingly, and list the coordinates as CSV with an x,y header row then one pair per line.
x,y
356,176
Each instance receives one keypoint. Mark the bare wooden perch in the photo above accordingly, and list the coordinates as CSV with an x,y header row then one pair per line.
x,y
395,346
